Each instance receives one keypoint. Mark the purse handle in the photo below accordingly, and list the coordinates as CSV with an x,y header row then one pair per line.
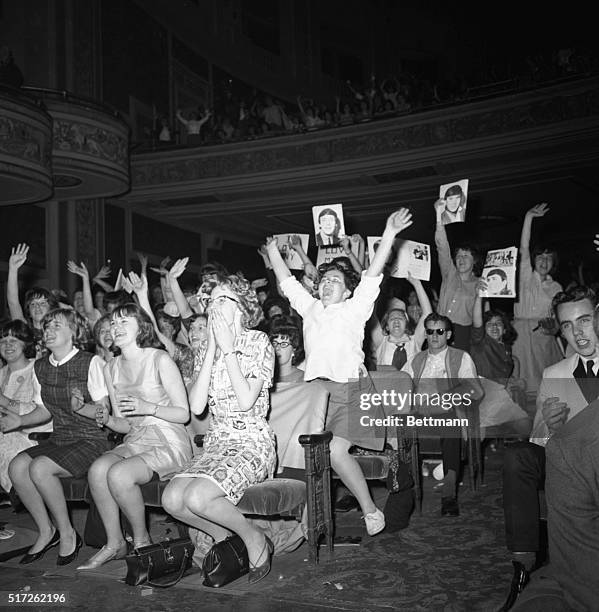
x,y
173,581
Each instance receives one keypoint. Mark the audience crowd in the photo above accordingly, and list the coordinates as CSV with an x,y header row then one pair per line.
x,y
160,364
246,114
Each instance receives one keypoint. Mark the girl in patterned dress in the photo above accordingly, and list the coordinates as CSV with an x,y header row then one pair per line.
x,y
239,448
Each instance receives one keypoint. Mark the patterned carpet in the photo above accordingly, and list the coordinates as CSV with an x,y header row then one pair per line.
x,y
439,563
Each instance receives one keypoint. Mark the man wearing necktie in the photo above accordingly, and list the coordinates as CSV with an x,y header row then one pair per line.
x,y
399,356
567,387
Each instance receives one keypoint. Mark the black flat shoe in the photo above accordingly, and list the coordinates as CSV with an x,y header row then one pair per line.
x,y
257,572
31,557
520,579
66,559
449,506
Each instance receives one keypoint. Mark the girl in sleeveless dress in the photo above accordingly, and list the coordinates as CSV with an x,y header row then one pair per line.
x,y
149,405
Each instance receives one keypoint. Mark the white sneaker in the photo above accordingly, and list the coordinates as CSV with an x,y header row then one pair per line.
x,y
375,522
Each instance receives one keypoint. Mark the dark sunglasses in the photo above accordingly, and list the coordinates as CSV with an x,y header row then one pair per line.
x,y
439,332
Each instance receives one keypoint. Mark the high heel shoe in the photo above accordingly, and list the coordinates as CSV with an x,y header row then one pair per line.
x,y
138,545
104,555
31,557
257,572
66,559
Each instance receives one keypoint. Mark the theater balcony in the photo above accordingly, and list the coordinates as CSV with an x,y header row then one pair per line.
x,y
507,145
25,148
90,156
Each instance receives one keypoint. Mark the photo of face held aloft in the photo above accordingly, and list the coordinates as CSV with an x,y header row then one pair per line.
x,y
455,197
328,224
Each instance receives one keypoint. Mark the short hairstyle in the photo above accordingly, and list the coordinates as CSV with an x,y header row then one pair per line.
x,y
146,336
509,333
77,324
476,256
39,293
385,319
174,321
286,325
275,300
435,317
343,265
454,190
20,330
541,249
213,267
251,310
575,294
497,272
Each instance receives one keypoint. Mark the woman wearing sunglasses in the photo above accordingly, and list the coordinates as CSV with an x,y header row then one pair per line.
x,y
333,336
239,448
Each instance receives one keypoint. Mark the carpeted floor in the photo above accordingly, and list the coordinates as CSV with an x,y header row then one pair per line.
x,y
438,563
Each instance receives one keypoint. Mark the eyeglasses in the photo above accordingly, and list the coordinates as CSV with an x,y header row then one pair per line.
x,y
283,344
439,332
222,298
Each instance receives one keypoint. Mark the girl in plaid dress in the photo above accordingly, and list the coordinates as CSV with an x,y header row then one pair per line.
x,y
76,440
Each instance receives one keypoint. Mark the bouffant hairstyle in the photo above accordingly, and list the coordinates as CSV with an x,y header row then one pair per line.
x,y
146,336
289,326
509,333
115,299
343,265
77,324
20,330
251,310
39,293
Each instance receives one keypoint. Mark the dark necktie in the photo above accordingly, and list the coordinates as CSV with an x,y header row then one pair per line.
x,y
587,380
399,357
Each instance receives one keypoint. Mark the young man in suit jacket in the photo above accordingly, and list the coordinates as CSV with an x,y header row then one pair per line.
x,y
566,389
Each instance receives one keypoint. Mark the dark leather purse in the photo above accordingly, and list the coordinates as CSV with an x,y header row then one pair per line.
x,y
159,565
225,561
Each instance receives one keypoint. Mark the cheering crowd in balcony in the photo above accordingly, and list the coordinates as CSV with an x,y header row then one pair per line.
x,y
172,362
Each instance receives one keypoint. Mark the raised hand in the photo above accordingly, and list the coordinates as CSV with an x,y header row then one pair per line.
x,y
139,284
143,260
78,270
103,272
399,221
540,210
311,272
162,268
271,244
596,242
345,245
481,287
178,267
295,243
18,256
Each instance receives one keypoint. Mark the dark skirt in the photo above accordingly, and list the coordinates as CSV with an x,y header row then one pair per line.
x,y
76,458
345,416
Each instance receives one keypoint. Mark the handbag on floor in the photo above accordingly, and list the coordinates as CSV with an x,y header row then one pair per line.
x,y
159,565
226,561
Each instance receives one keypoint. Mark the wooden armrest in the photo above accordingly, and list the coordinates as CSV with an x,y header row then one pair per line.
x,y
312,439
